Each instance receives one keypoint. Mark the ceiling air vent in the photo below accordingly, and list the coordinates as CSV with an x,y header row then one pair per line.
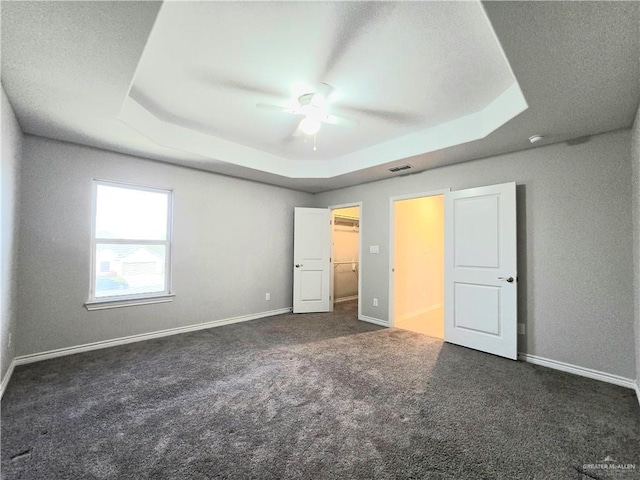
x,y
399,168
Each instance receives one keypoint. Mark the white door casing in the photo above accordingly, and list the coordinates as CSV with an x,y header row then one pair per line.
x,y
392,240
311,262
332,256
481,269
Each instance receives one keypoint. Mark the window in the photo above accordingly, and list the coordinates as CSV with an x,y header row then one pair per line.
x,y
131,246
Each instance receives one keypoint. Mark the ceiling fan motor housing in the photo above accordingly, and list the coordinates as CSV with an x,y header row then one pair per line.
x,y
305,99
312,106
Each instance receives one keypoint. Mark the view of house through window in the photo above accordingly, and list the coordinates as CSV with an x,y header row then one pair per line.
x,y
131,241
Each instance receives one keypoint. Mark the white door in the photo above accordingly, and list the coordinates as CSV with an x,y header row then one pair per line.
x,y
480,269
311,262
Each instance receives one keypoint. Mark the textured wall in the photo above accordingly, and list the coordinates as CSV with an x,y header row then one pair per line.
x,y
233,242
635,161
10,174
574,241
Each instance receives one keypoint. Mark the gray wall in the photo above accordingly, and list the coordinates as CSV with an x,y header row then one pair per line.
x,y
9,177
574,241
635,160
233,242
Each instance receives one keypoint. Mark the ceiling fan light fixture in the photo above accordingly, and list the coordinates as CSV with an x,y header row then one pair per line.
x,y
312,106
309,111
310,126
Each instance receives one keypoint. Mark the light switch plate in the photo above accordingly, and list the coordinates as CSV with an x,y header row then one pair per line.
x,y
374,249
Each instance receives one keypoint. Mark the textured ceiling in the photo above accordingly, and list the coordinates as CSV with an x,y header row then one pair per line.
x,y
67,66
398,68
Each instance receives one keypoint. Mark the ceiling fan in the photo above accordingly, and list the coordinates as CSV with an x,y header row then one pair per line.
x,y
313,106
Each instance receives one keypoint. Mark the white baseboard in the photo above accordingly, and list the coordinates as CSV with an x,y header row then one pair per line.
x,y
377,321
61,352
582,371
345,299
7,377
417,313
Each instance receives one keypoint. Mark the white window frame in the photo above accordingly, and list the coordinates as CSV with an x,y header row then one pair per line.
x,y
138,298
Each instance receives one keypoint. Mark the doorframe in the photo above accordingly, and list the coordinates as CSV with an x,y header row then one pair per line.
x,y
338,207
392,200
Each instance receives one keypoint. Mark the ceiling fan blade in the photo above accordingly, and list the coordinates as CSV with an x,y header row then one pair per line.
x,y
268,106
386,115
324,91
294,132
342,121
298,132
352,20
217,79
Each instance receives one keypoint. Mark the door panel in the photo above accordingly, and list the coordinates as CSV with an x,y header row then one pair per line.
x,y
311,285
311,251
483,252
474,305
480,269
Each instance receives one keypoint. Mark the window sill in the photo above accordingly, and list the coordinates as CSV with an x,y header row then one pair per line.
x,y
128,302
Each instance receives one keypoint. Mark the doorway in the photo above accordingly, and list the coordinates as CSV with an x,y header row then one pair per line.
x,y
345,258
417,268
480,266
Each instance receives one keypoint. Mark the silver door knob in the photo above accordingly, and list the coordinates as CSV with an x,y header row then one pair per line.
x,y
508,279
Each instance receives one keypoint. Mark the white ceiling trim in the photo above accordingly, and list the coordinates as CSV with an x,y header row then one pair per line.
x,y
187,140
455,132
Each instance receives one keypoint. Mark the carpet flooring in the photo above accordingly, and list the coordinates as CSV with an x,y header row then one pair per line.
x,y
316,396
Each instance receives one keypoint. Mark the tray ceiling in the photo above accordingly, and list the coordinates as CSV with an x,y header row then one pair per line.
x,y
415,76
70,69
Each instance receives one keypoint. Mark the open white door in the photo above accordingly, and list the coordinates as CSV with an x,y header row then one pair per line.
x,y
480,269
311,262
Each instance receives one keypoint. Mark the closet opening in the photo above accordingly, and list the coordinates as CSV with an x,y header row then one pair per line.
x,y
345,258
417,268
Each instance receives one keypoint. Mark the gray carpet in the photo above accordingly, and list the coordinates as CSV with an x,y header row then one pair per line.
x,y
318,396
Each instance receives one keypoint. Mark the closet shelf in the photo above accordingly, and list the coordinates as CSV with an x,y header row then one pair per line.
x,y
346,220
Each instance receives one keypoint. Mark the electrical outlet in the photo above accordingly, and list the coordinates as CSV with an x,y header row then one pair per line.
x,y
267,296
375,302
521,329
